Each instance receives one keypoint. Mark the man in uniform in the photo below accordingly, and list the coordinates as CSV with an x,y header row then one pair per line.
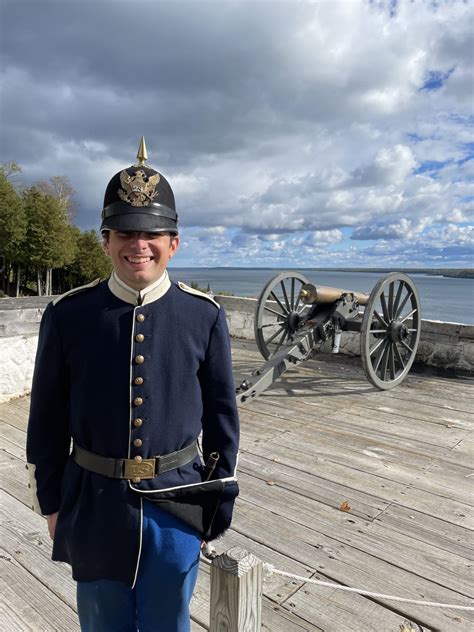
x,y
133,370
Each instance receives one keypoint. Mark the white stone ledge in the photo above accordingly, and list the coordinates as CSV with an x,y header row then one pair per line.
x,y
16,370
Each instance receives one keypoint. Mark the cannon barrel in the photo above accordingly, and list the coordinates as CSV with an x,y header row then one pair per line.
x,y
311,294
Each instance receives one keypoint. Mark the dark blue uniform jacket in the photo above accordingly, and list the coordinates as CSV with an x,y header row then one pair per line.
x,y
85,387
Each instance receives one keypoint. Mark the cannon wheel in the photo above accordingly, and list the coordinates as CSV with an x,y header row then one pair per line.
x,y
390,330
278,311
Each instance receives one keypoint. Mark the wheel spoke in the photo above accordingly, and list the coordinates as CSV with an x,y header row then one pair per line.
x,y
279,302
404,302
269,325
397,299
380,355
383,302
377,346
269,309
408,315
380,319
292,296
390,301
267,342
392,362
407,347
285,295
399,356
285,333
386,353
298,299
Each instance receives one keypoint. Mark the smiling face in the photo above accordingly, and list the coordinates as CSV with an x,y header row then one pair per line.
x,y
139,259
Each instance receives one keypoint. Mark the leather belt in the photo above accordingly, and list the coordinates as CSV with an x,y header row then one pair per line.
x,y
132,468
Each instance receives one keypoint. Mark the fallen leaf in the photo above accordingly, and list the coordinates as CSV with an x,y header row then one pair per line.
x,y
345,506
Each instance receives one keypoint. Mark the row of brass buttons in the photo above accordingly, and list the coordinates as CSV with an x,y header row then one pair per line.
x,y
138,401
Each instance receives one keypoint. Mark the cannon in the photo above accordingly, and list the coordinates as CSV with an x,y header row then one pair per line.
x,y
293,317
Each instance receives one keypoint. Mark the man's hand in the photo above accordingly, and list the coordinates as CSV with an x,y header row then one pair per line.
x,y
52,519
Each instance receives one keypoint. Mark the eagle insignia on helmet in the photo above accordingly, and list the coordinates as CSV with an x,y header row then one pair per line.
x,y
138,189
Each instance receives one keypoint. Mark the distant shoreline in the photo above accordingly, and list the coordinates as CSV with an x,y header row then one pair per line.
x,y
459,273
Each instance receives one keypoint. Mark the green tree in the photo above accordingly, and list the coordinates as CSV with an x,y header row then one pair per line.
x,y
61,188
90,261
13,223
50,242
10,169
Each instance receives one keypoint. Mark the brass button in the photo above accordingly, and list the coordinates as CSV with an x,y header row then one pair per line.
x,y
136,480
138,459
139,359
139,337
138,381
140,317
138,443
138,401
137,422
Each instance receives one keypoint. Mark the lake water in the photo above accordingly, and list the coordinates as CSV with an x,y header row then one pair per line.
x,y
442,298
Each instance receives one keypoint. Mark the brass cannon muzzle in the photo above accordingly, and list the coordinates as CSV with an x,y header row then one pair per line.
x,y
310,294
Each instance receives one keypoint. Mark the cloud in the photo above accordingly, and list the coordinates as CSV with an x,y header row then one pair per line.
x,y
402,230
451,234
320,237
284,128
392,165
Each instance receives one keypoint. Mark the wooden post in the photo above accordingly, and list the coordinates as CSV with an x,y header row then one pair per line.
x,y
236,592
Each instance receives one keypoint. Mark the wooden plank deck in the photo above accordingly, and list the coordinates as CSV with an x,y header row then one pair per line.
x,y
322,436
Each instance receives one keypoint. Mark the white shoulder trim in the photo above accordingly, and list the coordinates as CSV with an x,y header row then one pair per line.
x,y
75,290
191,290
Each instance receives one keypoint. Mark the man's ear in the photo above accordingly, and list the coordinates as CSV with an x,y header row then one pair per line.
x,y
174,243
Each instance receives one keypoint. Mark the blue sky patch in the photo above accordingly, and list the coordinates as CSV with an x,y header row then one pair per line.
x,y
436,79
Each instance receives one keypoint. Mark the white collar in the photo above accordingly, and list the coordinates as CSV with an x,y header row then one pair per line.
x,y
139,297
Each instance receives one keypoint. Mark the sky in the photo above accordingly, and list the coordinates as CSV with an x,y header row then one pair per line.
x,y
294,134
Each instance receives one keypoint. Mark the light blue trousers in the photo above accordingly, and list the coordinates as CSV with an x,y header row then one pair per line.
x,y
167,574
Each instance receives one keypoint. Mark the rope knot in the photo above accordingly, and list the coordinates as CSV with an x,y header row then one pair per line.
x,y
268,570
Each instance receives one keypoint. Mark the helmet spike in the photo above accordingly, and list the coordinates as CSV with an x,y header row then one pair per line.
x,y
142,153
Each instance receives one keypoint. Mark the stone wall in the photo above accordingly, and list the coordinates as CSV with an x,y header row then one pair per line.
x,y
19,325
442,345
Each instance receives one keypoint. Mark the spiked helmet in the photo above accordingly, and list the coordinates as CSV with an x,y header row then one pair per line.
x,y
139,199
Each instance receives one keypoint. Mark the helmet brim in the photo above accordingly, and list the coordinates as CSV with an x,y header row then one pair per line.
x,y
139,222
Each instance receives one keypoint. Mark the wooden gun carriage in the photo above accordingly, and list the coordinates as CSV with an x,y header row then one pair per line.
x,y
293,317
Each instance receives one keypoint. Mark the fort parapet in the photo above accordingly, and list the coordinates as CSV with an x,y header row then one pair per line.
x,y
445,346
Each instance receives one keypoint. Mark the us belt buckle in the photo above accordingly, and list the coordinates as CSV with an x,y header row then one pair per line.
x,y
139,469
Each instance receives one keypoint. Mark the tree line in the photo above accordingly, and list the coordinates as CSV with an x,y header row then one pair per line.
x,y
41,251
